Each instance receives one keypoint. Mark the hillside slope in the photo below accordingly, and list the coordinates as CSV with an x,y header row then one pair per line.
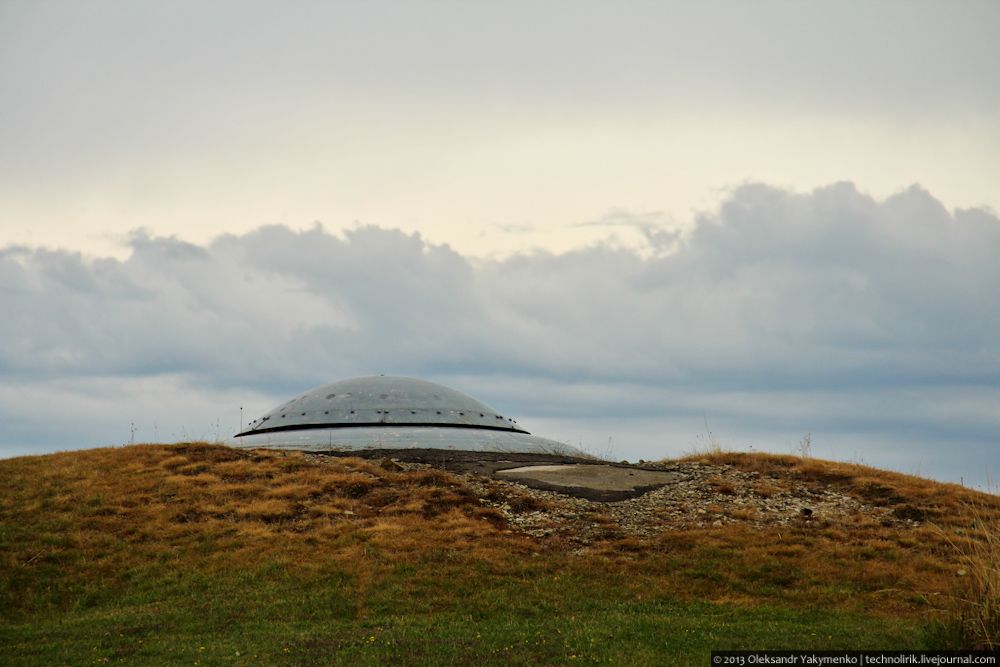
x,y
196,552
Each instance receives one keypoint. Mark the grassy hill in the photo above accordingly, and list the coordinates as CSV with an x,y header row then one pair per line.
x,y
200,554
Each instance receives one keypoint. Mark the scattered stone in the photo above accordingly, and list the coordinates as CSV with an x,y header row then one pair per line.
x,y
390,465
691,500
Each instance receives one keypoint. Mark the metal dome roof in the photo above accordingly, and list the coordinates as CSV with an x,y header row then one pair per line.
x,y
378,400
387,412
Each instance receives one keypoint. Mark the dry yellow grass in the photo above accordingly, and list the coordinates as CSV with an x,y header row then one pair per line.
x,y
951,561
109,509
722,485
102,511
978,597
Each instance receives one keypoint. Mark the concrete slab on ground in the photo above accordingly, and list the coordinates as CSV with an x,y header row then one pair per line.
x,y
584,478
595,477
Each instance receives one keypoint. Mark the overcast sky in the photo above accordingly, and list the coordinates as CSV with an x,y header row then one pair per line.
x,y
615,221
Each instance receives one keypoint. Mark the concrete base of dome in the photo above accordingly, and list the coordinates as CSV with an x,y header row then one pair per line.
x,y
573,475
355,439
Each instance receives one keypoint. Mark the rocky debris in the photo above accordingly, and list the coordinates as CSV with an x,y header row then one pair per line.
x,y
700,496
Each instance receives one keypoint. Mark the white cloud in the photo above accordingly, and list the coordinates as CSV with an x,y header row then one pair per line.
x,y
447,119
779,313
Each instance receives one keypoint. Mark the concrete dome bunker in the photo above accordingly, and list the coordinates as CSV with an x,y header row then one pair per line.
x,y
382,412
415,420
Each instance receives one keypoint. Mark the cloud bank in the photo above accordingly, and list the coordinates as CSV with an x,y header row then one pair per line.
x,y
873,324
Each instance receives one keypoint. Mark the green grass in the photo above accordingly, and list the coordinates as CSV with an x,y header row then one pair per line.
x,y
279,615
205,555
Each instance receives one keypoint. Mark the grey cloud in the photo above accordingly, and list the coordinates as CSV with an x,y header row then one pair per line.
x,y
660,234
119,78
511,228
895,53
774,284
781,311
